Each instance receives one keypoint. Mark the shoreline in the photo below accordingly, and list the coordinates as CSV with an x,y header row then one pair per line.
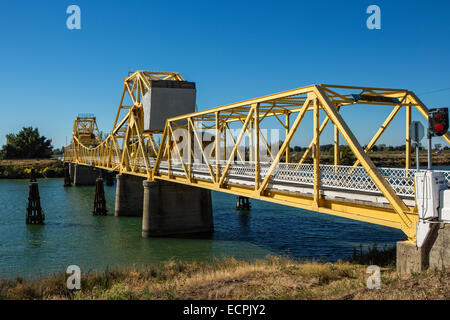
x,y
273,278
21,169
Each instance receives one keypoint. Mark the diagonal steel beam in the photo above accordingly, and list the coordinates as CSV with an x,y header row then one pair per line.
x,y
286,142
397,204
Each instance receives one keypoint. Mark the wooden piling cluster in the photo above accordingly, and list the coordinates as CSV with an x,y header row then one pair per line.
x,y
34,209
99,199
243,203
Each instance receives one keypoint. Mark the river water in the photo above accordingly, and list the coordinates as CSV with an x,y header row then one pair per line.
x,y
72,235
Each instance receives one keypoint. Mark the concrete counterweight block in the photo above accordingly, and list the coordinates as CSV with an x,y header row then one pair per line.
x,y
84,175
174,209
129,196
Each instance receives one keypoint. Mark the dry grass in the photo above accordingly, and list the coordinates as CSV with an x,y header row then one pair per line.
x,y
272,278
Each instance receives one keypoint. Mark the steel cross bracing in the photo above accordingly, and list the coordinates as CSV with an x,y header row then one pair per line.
x,y
362,192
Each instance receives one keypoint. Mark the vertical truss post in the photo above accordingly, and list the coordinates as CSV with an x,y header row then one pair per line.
x,y
316,155
288,149
408,138
250,134
256,150
217,151
308,150
169,146
336,146
224,140
189,149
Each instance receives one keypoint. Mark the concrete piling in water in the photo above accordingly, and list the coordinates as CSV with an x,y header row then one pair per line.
x,y
174,209
67,178
129,196
99,199
84,175
71,171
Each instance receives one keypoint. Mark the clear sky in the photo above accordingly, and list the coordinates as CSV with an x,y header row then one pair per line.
x,y
233,50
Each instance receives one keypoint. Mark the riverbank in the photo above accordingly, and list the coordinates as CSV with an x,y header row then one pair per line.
x,y
20,169
271,278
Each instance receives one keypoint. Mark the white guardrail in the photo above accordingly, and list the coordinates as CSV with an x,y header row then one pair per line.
x,y
339,177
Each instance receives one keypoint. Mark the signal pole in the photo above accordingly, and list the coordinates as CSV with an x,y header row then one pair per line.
x,y
429,135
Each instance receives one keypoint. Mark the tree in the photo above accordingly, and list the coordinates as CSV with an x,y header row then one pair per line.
x,y
347,158
27,144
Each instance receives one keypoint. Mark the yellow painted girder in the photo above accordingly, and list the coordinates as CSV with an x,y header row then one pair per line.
x,y
128,143
365,213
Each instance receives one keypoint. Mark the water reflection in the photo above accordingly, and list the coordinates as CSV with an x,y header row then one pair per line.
x,y
244,220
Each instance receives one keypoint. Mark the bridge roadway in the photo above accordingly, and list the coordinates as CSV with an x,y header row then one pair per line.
x,y
343,183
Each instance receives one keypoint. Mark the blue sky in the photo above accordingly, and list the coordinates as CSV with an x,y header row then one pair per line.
x,y
233,50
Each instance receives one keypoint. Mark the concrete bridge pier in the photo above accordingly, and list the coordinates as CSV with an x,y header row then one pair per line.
x,y
173,209
434,254
84,175
71,171
129,196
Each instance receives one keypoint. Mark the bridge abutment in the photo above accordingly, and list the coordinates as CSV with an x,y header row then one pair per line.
x,y
434,254
129,196
172,209
84,175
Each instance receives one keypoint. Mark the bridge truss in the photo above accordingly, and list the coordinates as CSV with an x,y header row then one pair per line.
x,y
181,154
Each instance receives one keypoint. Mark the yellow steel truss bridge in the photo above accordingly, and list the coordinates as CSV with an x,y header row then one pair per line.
x,y
383,196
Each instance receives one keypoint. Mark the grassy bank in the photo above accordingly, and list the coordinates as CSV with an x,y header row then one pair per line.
x,y
271,278
20,169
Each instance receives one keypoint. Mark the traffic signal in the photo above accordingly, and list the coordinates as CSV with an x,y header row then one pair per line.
x,y
438,121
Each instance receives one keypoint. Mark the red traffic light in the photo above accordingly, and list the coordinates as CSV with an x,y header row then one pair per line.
x,y
438,121
438,127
